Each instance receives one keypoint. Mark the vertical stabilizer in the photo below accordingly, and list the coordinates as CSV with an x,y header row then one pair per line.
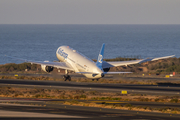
x,y
100,57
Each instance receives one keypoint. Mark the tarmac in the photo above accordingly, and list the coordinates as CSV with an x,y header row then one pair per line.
x,y
13,108
102,87
48,109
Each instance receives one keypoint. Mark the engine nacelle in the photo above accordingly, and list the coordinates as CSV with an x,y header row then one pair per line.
x,y
47,68
106,69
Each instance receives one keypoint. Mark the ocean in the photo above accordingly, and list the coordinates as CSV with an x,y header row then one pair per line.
x,y
40,42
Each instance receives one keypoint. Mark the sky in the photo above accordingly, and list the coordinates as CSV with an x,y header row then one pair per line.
x,y
89,11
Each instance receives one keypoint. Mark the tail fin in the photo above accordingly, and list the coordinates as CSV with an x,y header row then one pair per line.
x,y
100,57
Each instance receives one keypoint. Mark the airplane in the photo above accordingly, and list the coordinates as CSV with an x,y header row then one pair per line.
x,y
72,60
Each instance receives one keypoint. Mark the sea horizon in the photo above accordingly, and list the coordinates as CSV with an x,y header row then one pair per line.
x,y
40,41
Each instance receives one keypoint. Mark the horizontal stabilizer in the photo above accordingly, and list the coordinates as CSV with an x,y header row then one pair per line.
x,y
116,72
87,73
103,73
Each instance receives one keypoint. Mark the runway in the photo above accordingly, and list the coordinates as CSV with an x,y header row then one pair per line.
x,y
48,109
107,102
13,108
102,87
114,77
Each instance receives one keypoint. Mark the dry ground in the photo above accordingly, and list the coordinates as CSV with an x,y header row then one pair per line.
x,y
121,80
72,96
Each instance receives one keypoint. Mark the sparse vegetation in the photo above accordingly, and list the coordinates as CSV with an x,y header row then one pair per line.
x,y
157,67
28,77
175,100
81,95
123,58
11,67
73,96
126,107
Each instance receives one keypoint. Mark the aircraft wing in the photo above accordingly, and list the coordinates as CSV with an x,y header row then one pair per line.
x,y
62,65
121,63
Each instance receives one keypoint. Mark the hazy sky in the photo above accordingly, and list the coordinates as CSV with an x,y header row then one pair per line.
x,y
89,11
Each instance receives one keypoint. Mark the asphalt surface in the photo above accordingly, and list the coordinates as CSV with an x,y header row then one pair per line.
x,y
113,77
102,87
12,108
48,109
107,102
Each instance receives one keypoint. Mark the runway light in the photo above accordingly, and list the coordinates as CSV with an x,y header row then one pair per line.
x,y
123,92
167,76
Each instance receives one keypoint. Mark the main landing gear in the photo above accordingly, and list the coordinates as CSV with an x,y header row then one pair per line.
x,y
67,77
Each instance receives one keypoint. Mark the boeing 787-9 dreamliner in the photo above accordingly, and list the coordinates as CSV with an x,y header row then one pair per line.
x,y
72,60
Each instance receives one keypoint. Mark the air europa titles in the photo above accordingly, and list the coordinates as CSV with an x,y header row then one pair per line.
x,y
62,53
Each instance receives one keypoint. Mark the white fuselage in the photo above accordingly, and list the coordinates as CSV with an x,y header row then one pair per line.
x,y
79,62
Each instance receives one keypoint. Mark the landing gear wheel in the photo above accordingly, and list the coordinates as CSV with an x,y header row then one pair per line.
x,y
69,78
66,77
92,79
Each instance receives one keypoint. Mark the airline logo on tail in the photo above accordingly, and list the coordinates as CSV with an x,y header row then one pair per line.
x,y
100,58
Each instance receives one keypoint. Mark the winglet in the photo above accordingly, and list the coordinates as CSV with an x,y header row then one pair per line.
x,y
100,57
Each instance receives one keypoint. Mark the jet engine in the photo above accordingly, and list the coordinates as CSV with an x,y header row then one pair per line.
x,y
47,68
106,69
